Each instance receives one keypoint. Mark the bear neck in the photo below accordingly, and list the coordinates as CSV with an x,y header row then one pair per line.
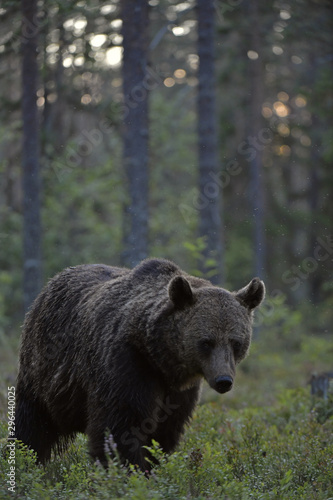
x,y
164,350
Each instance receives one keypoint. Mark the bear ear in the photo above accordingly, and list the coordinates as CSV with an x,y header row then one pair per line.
x,y
252,294
180,292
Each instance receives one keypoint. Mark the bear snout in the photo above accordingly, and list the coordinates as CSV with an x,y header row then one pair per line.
x,y
223,384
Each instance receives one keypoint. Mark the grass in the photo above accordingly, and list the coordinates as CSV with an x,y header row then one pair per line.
x,y
280,452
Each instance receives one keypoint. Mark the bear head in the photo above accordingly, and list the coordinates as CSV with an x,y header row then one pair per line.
x,y
215,328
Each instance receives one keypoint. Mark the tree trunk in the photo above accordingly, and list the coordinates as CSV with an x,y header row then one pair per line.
x,y
135,59
210,193
316,278
255,126
32,276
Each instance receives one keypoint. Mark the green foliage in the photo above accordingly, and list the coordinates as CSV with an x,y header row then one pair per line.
x,y
92,232
10,274
81,220
282,452
195,250
238,259
173,156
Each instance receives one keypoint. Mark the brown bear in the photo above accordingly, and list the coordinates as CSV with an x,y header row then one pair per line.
x,y
113,350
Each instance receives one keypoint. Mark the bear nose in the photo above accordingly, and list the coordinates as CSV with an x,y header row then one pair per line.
x,y
223,383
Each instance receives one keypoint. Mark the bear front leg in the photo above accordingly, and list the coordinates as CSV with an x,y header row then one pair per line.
x,y
127,442
174,413
127,410
34,426
129,422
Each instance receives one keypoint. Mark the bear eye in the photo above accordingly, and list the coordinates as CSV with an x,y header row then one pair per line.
x,y
236,346
206,345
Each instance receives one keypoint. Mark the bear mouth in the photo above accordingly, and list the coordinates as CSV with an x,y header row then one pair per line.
x,y
222,391
192,382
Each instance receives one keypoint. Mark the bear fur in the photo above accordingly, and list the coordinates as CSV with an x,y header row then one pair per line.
x,y
113,350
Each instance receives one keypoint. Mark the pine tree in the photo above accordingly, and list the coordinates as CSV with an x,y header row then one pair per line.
x,y
32,276
135,115
210,221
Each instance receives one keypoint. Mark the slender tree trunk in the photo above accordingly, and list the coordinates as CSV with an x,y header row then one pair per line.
x,y
135,59
32,276
315,279
255,126
210,198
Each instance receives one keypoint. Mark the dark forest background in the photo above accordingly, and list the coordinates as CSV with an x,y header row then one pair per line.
x,y
208,143
199,131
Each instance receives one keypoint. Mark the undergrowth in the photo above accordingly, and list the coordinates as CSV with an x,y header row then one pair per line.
x,y
280,452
